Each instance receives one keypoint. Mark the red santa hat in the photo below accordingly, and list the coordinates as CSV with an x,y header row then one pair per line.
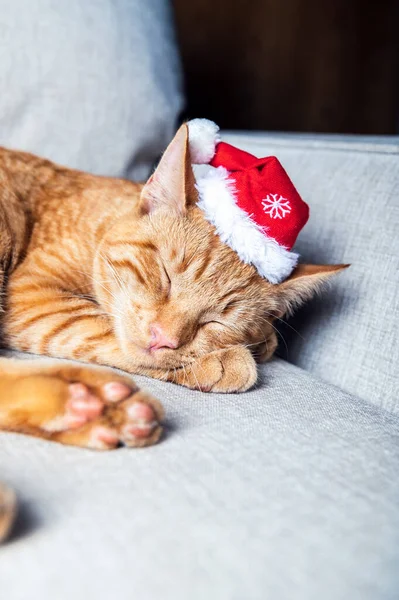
x,y
251,201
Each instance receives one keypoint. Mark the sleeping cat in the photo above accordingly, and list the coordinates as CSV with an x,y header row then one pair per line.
x,y
126,275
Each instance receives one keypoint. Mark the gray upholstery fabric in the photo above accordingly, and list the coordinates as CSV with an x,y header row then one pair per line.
x,y
288,491
349,337
92,85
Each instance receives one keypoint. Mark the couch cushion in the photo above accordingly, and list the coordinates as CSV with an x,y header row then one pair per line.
x,y
288,491
92,85
349,337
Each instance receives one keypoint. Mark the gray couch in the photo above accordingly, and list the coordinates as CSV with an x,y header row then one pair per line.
x,y
288,491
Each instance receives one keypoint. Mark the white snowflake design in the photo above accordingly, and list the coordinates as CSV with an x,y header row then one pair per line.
x,y
276,206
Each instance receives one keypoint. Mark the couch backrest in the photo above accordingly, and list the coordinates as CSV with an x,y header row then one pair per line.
x,y
90,85
349,336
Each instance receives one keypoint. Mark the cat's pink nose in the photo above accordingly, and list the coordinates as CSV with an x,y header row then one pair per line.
x,y
159,339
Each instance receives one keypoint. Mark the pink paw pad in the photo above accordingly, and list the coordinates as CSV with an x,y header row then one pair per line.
x,y
114,391
142,421
78,390
141,411
82,404
103,438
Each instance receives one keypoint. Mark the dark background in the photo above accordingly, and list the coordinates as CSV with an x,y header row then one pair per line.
x,y
292,65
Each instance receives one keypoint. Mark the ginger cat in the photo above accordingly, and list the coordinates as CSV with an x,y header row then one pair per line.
x,y
127,275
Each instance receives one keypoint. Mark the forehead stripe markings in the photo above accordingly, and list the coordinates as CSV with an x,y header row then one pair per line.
x,y
125,263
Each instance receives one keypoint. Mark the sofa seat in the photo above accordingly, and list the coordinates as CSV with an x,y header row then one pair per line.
x,y
287,491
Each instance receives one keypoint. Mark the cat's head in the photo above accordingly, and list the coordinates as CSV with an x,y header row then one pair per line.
x,y
175,290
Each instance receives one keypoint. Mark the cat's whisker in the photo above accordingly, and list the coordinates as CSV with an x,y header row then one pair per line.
x,y
276,330
255,344
258,344
260,304
116,276
118,280
98,282
233,327
187,377
282,337
103,311
288,325
184,372
195,377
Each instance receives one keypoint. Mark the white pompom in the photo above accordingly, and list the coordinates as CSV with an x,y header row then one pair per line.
x,y
203,138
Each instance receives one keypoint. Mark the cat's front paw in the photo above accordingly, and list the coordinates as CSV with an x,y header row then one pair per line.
x,y
224,371
83,406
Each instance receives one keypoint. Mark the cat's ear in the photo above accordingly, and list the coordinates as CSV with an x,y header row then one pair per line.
x,y
172,185
304,282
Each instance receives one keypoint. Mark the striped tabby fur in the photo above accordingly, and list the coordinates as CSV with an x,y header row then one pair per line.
x,y
88,266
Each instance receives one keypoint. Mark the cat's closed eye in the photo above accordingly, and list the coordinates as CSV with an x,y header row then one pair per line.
x,y
216,316
168,281
210,319
167,275
230,305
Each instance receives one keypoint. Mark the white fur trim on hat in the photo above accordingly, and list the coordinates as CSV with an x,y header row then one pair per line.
x,y
203,137
236,228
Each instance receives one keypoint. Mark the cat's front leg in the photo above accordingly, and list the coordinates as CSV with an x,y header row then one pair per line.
x,y
224,371
90,407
